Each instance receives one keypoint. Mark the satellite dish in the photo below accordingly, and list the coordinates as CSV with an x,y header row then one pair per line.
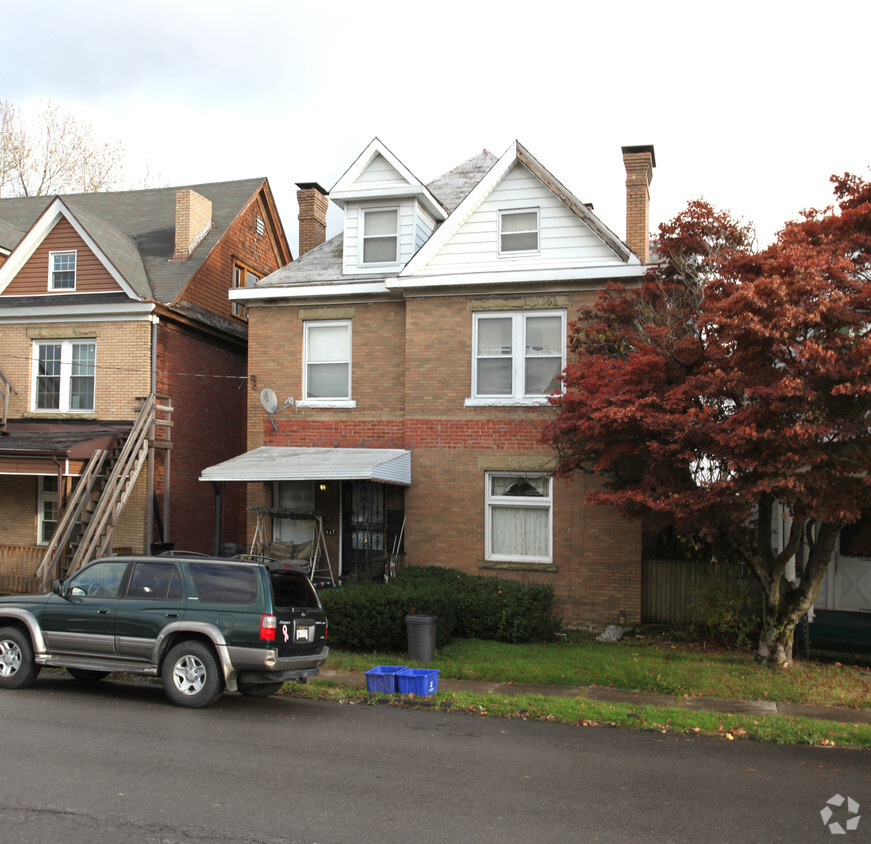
x,y
269,400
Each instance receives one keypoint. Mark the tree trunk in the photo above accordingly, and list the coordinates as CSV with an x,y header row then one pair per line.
x,y
786,603
776,641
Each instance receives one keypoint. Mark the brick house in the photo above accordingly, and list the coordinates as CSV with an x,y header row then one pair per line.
x,y
113,310
399,373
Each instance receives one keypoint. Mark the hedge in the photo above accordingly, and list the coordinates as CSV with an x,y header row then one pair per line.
x,y
367,616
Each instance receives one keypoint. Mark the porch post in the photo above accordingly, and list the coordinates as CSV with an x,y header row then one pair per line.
x,y
218,529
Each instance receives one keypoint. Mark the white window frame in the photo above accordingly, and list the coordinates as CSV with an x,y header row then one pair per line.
x,y
65,375
492,501
508,253
44,497
518,394
242,277
52,270
364,237
333,401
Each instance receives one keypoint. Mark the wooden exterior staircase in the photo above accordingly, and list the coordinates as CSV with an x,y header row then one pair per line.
x,y
86,524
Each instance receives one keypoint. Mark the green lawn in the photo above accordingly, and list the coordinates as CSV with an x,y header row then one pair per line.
x,y
651,665
635,664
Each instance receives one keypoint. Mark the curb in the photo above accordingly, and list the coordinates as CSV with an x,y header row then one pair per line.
x,y
609,695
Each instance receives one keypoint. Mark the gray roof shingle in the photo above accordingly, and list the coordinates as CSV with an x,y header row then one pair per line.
x,y
324,263
136,229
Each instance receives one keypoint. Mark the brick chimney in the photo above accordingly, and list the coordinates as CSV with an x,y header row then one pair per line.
x,y
313,202
193,220
639,163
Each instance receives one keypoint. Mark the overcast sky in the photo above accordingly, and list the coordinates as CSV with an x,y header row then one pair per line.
x,y
752,105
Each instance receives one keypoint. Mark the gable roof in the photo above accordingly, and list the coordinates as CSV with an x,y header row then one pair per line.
x,y
389,178
460,192
323,264
516,153
133,231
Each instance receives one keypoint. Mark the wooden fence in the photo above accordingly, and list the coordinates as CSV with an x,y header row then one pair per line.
x,y
18,564
670,587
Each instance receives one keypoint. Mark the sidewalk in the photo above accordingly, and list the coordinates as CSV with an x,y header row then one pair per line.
x,y
605,695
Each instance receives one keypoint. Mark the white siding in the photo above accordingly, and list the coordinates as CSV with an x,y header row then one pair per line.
x,y
408,232
565,241
424,225
380,170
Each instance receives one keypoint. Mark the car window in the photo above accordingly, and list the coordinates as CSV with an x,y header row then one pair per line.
x,y
154,582
101,580
224,584
293,590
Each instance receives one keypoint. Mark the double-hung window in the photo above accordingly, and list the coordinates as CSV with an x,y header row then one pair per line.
x,y
518,356
519,517
64,375
327,373
47,512
242,277
380,236
518,231
62,270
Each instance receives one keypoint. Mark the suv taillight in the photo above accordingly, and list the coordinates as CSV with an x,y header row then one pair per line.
x,y
268,626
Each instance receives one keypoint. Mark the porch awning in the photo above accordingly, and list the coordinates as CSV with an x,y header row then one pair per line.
x,y
39,448
279,463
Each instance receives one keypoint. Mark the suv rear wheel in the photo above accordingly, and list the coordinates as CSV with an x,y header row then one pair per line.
x,y
17,668
192,676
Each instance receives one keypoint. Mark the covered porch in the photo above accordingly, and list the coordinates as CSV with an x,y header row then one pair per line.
x,y
40,464
341,506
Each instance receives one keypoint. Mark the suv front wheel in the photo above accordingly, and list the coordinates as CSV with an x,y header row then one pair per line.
x,y
192,676
17,668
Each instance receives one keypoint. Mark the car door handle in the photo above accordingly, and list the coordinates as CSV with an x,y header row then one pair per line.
x,y
103,612
172,615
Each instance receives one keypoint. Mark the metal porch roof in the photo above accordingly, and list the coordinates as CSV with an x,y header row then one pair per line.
x,y
283,463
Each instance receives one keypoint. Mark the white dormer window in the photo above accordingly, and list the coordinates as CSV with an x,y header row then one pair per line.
x,y
380,236
518,231
62,271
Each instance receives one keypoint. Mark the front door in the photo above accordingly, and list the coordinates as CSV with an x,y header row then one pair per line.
x,y
82,621
363,530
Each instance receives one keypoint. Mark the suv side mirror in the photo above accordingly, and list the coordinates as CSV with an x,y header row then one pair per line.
x,y
57,588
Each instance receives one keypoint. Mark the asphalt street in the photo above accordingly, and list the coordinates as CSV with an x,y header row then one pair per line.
x,y
116,762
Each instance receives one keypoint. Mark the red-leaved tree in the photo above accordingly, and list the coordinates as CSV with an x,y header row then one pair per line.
x,y
732,390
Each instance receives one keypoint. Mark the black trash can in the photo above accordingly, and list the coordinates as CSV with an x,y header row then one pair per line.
x,y
421,637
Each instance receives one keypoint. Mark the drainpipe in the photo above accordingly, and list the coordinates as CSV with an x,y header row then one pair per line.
x,y
149,494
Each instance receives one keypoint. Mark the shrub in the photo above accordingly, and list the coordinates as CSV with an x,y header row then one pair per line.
x,y
723,611
371,616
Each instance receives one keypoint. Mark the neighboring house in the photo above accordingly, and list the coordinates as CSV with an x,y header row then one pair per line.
x,y
408,362
113,309
841,616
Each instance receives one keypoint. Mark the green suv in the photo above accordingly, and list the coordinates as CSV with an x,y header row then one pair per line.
x,y
202,624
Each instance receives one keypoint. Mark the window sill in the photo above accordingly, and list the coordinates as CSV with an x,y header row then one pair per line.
x,y
59,414
543,401
347,404
507,565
